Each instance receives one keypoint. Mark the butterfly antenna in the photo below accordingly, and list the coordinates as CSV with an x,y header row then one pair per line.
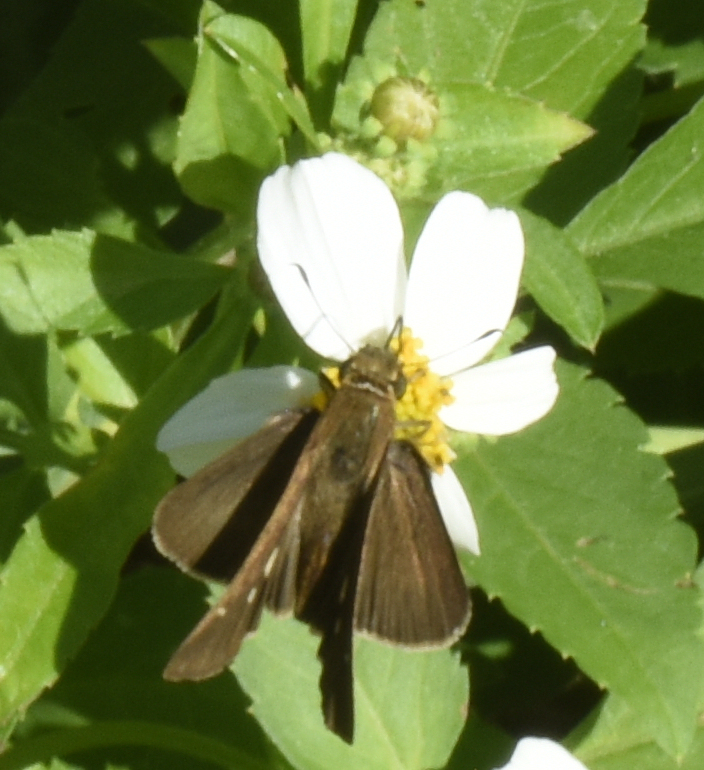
x,y
396,331
323,314
477,339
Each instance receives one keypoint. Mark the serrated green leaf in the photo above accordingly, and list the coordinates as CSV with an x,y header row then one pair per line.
x,y
62,574
96,283
579,539
646,229
546,52
408,705
493,135
613,738
560,281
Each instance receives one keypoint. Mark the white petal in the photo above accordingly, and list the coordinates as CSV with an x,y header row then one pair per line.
x,y
456,510
542,754
464,357
503,396
464,276
229,409
331,241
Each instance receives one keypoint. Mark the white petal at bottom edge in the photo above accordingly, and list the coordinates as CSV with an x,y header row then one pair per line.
x,y
456,510
503,396
231,408
541,754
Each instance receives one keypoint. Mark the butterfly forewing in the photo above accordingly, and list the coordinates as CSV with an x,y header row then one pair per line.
x,y
208,524
216,640
410,589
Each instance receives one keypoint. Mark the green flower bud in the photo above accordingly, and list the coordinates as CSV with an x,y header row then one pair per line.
x,y
406,108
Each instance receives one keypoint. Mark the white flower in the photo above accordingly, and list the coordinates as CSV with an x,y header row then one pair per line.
x,y
331,242
541,754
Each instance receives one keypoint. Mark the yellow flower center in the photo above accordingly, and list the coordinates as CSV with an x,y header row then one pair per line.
x,y
417,419
417,410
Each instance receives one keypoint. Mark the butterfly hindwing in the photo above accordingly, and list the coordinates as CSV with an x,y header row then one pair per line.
x,y
410,589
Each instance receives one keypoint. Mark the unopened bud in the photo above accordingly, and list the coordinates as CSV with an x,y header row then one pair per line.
x,y
406,108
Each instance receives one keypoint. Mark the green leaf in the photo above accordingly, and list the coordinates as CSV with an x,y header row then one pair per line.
x,y
23,379
21,492
96,283
491,140
614,740
408,705
326,26
230,133
560,281
109,734
686,463
38,417
481,746
97,376
496,138
61,576
646,229
545,52
579,539
670,259
177,55
228,32
115,694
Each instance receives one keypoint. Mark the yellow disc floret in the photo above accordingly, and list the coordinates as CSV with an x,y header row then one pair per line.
x,y
417,419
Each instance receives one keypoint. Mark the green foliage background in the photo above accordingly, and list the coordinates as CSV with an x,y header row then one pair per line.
x,y
134,135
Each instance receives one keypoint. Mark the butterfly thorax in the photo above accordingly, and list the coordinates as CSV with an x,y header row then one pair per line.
x,y
374,368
